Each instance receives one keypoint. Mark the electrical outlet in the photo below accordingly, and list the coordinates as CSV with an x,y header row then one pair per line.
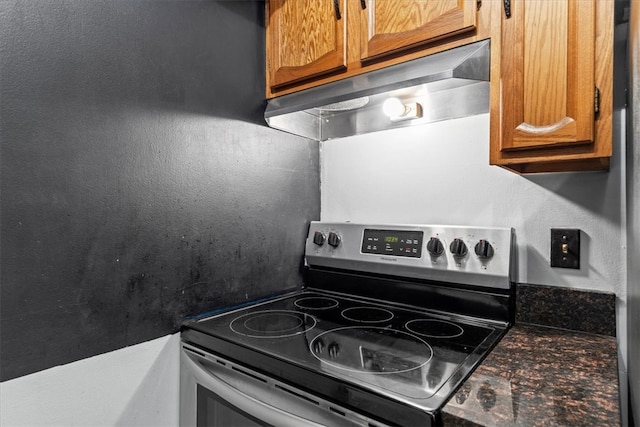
x,y
565,248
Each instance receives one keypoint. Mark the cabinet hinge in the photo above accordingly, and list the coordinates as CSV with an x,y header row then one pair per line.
x,y
596,102
478,4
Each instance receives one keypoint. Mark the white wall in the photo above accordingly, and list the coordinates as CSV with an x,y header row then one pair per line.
x,y
440,174
134,386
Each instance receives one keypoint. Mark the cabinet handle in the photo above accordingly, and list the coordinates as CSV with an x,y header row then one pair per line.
x,y
336,7
507,8
363,4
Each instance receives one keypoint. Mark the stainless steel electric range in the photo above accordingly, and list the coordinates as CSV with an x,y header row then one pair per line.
x,y
391,320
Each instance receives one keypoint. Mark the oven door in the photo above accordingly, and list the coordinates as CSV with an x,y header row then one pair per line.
x,y
217,392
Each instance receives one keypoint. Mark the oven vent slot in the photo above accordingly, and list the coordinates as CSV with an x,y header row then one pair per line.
x,y
249,374
194,352
301,396
336,411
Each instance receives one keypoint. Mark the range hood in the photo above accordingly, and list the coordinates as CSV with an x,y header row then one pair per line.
x,y
442,86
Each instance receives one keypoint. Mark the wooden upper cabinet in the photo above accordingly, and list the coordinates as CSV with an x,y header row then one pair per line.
x,y
548,74
312,42
388,26
551,105
305,39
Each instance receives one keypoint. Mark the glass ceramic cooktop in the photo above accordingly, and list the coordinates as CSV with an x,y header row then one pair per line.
x,y
398,351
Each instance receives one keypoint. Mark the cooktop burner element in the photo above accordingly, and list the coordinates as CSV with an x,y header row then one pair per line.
x,y
435,328
367,314
386,325
272,324
316,303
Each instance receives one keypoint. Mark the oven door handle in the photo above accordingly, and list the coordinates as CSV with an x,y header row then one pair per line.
x,y
246,403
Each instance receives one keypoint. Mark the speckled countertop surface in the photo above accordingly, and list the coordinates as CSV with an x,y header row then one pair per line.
x,y
541,376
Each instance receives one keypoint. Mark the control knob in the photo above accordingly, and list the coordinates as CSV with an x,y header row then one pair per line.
x,y
484,249
458,248
318,238
333,239
435,247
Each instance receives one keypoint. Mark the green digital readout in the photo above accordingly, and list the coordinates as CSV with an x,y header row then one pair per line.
x,y
401,243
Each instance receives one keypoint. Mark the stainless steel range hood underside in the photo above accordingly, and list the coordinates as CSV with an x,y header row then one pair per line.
x,y
447,85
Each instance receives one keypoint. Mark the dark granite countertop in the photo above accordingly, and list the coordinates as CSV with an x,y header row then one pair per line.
x,y
541,376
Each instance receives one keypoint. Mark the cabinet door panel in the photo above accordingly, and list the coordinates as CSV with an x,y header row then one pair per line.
x,y
305,39
548,74
389,26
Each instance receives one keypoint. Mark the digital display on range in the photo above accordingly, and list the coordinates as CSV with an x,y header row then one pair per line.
x,y
392,242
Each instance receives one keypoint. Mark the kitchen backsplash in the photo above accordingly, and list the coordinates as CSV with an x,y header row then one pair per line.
x,y
566,308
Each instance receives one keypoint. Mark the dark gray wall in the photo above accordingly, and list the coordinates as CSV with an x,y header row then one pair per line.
x,y
138,183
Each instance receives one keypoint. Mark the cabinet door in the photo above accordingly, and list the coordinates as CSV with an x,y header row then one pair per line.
x,y
547,74
305,39
389,26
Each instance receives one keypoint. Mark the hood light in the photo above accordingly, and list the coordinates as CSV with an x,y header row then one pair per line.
x,y
397,111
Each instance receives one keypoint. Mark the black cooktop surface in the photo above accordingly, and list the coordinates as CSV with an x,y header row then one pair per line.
x,y
399,351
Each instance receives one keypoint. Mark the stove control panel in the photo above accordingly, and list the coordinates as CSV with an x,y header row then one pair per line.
x,y
478,256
